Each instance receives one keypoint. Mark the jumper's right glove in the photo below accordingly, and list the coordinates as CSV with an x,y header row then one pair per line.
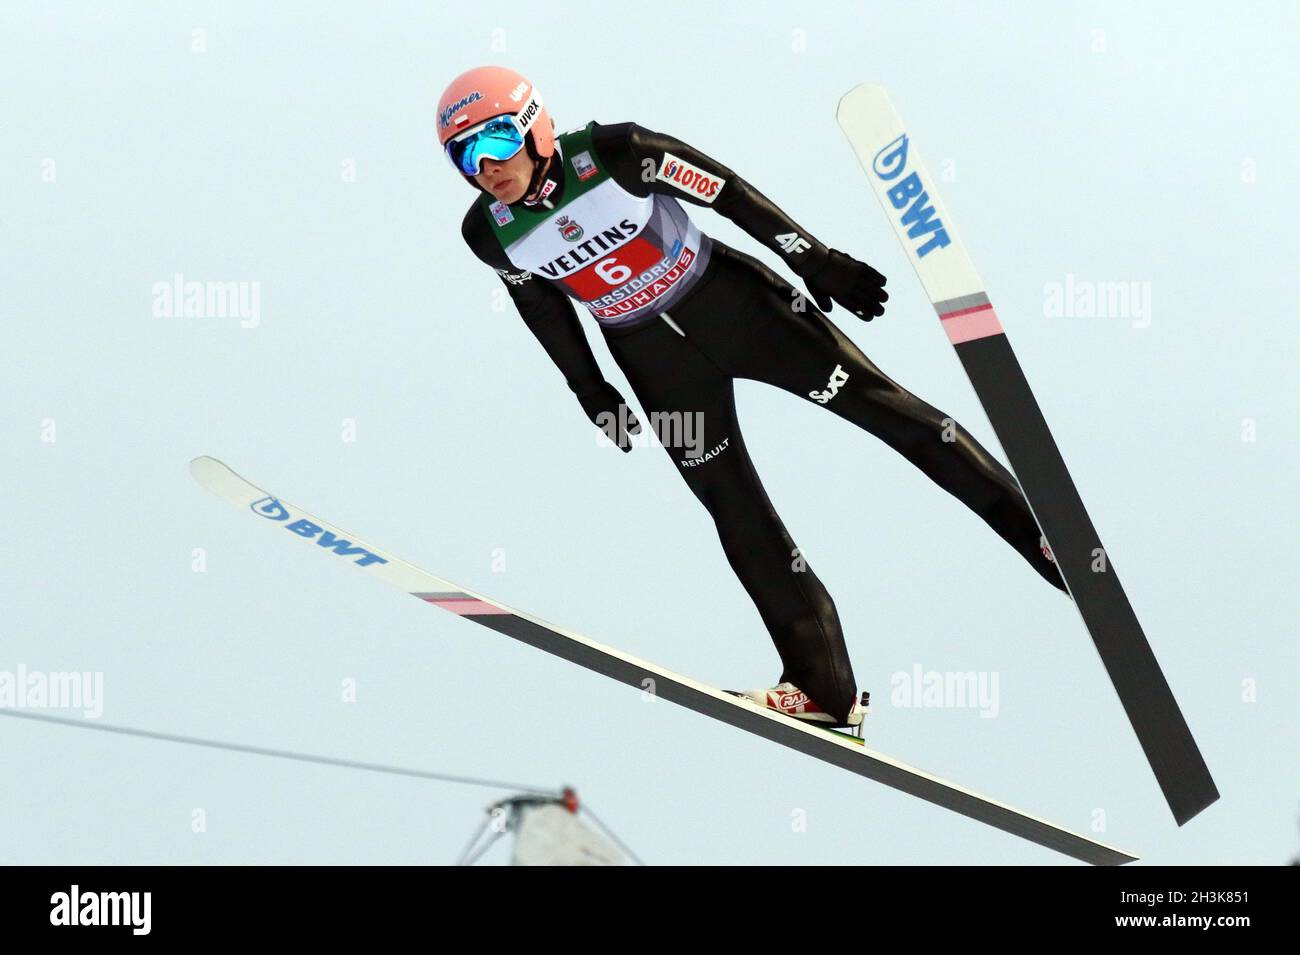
x,y
855,285
611,414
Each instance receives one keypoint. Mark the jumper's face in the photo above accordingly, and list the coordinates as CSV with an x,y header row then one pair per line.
x,y
507,180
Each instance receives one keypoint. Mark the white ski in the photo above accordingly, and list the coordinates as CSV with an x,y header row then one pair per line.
x,y
925,229
837,750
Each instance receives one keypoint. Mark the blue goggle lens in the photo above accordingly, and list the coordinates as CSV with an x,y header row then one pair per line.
x,y
499,139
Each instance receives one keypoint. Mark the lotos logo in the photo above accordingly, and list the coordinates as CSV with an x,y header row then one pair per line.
x,y
919,218
838,377
451,109
689,179
272,509
546,191
571,231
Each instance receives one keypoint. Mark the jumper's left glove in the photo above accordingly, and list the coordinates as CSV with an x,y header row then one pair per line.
x,y
855,285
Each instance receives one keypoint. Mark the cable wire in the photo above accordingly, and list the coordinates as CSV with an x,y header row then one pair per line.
x,y
610,832
279,753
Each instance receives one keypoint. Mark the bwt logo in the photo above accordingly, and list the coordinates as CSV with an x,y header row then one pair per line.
x,y
919,218
272,509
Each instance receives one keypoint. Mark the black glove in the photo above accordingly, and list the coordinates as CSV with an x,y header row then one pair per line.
x,y
855,285
610,413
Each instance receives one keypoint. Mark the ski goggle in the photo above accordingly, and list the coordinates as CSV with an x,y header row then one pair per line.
x,y
499,138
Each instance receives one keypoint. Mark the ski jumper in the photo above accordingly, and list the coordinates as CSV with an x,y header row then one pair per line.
x,y
684,316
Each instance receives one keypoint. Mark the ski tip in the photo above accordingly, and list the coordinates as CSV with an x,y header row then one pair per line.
x,y
210,472
203,464
212,475
860,96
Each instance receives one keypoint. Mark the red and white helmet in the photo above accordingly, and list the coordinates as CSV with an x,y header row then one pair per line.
x,y
479,94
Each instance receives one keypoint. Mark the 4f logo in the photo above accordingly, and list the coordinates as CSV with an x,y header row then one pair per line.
x,y
793,243
909,196
838,377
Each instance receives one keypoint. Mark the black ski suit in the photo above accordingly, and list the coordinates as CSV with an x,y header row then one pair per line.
x,y
682,352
